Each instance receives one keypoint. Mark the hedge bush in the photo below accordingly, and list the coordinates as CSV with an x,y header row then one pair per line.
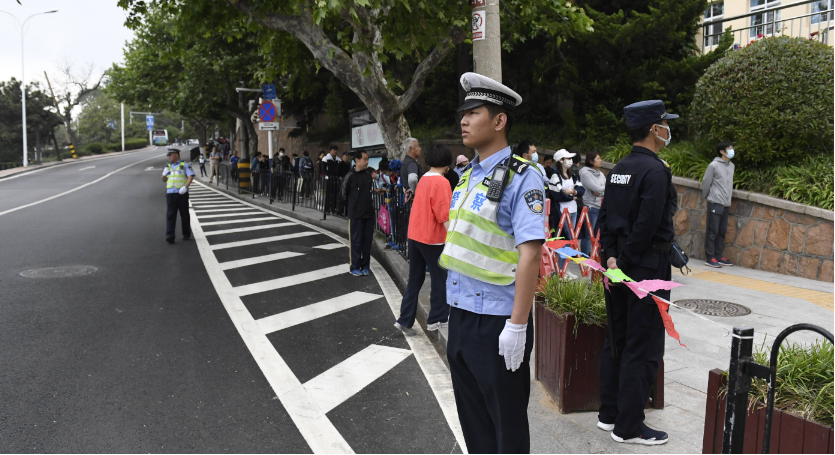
x,y
95,149
773,99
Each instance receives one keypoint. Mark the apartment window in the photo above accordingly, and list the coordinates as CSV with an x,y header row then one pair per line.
x,y
819,6
714,11
765,23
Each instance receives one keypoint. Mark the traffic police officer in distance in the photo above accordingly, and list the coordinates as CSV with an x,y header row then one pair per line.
x,y
492,252
178,176
636,231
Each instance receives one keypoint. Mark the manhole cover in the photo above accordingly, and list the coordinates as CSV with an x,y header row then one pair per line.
x,y
59,272
714,307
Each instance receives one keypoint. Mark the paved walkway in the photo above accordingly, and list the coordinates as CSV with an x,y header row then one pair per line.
x,y
776,302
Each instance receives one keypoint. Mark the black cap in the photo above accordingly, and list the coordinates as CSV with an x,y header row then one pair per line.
x,y
646,112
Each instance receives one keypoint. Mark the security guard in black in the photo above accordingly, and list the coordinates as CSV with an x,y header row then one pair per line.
x,y
636,231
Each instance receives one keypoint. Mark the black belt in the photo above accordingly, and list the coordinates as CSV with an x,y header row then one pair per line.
x,y
663,247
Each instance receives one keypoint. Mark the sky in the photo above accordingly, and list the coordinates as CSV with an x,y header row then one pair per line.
x,y
82,31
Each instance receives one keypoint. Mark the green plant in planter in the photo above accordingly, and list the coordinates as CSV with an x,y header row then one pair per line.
x,y
805,380
583,298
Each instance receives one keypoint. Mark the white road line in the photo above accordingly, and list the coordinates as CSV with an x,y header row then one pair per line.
x,y
274,238
313,311
85,168
78,187
228,209
250,228
256,260
333,387
434,369
24,174
228,214
208,198
209,205
247,220
314,426
278,283
330,246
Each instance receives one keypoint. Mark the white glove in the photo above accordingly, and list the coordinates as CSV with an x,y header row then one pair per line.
x,y
512,344
184,190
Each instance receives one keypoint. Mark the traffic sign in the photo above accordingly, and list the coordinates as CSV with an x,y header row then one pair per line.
x,y
266,112
268,126
269,91
149,122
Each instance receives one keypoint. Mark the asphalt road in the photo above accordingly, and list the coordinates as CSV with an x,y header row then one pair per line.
x,y
175,348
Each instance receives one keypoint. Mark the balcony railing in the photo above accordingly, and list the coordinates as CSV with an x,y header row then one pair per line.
x,y
769,23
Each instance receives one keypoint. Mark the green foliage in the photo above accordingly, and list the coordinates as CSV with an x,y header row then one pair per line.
x,y
582,298
805,380
773,99
811,182
39,120
95,149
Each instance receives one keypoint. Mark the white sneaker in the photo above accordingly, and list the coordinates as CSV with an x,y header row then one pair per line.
x,y
605,426
437,326
570,276
406,331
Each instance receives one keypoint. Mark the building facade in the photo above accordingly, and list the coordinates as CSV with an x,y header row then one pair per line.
x,y
750,20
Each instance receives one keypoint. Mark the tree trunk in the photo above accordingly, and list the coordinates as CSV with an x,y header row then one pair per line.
x,y
55,144
395,131
253,137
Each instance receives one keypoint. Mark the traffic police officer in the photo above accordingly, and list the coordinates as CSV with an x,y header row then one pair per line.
x,y
636,231
178,176
492,253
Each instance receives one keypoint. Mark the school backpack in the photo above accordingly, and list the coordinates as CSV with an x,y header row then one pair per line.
x,y
306,166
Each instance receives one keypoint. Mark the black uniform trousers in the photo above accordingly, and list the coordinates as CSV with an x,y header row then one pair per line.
x,y
639,336
492,401
361,235
717,228
177,203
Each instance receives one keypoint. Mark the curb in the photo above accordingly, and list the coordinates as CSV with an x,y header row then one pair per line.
x,y
392,262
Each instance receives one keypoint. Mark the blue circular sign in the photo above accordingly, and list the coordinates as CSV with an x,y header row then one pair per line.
x,y
266,111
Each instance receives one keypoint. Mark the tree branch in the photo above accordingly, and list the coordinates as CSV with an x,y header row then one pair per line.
x,y
424,68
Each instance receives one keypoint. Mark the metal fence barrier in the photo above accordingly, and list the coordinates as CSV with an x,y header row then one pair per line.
x,y
741,370
318,192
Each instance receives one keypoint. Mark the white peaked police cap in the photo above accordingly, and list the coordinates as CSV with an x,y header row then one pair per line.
x,y
483,90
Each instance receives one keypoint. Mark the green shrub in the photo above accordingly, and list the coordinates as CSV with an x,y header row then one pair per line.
x,y
809,183
804,380
773,99
95,149
684,158
581,297
130,144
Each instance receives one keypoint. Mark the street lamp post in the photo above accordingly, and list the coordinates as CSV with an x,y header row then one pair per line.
x,y
22,29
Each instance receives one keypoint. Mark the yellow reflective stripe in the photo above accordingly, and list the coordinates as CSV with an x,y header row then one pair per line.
x,y
509,257
484,224
477,273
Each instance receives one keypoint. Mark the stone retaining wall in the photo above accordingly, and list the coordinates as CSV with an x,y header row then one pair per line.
x,y
764,233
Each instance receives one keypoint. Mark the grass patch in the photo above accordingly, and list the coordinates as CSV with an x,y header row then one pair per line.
x,y
582,298
805,380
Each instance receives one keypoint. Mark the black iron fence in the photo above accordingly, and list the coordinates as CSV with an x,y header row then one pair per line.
x,y
321,193
740,372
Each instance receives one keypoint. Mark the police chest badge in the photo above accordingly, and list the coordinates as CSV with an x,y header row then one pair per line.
x,y
535,200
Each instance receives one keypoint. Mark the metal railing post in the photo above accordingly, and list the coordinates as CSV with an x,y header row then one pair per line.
x,y
739,383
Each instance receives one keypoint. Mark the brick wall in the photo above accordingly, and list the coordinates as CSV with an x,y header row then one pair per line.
x,y
764,233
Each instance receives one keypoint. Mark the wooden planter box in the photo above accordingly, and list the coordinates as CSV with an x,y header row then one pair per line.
x,y
569,366
789,432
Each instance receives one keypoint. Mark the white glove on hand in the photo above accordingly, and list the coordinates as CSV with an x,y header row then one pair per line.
x,y
512,344
184,190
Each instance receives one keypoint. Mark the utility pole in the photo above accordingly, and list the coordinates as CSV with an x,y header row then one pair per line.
x,y
487,44
123,127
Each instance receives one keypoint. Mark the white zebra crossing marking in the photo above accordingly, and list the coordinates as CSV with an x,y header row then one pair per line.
x,y
275,238
228,214
257,260
245,220
229,209
249,228
313,311
278,283
330,246
333,387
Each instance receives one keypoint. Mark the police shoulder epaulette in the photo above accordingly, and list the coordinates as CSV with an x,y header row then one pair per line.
x,y
518,166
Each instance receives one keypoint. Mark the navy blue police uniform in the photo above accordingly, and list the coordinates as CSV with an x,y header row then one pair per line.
x,y
636,227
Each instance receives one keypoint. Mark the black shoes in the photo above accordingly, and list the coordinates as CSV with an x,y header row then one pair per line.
x,y
648,437
169,239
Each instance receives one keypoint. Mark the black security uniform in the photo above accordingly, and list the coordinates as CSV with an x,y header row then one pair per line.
x,y
636,227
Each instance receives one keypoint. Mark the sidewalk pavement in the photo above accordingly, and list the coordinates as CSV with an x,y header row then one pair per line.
x,y
776,302
39,167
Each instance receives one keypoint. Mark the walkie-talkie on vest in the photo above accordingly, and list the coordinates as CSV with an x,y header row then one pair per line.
x,y
497,183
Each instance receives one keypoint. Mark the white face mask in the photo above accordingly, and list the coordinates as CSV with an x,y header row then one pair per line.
x,y
730,153
534,157
280,155
567,163
669,135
